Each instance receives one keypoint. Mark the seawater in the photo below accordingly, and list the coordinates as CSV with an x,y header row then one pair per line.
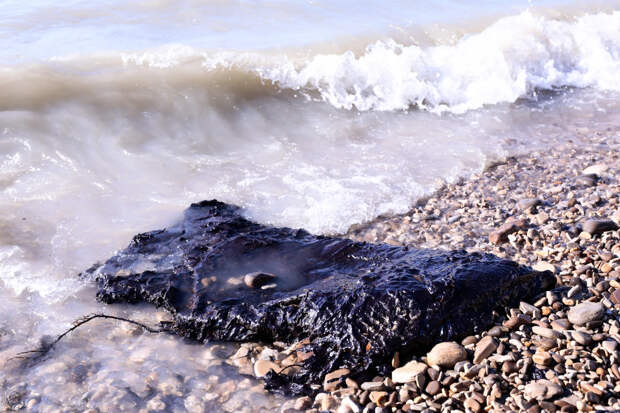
x,y
115,116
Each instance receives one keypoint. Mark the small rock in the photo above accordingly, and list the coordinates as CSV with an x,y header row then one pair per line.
x,y
586,312
258,279
527,204
542,390
582,338
598,226
472,405
517,320
328,403
485,347
303,403
262,367
349,405
446,354
378,397
408,372
433,388
596,169
586,180
560,324
544,266
542,358
546,332
373,385
500,235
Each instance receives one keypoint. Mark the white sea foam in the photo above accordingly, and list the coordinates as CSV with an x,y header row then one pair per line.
x,y
508,60
511,59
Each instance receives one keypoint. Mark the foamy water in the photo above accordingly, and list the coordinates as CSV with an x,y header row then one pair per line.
x,y
114,117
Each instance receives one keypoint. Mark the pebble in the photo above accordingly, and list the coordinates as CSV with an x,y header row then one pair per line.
x,y
262,367
500,235
586,312
546,332
348,406
485,347
542,358
527,204
408,372
258,279
446,354
597,169
598,226
542,390
378,397
328,403
433,388
473,405
586,180
582,338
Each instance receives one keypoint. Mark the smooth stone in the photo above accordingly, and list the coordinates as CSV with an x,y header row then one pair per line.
x,y
433,388
598,226
529,309
586,180
586,312
542,390
258,279
336,375
349,405
373,385
303,403
472,405
528,203
328,403
408,372
517,320
378,397
582,338
596,169
500,235
535,391
542,358
446,354
544,266
485,347
546,332
610,345
561,324
262,367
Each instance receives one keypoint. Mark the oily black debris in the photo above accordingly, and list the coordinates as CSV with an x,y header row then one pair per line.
x,y
354,303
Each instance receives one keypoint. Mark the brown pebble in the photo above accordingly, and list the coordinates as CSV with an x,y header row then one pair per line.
x,y
485,347
446,354
473,405
433,388
542,358
378,397
517,320
303,403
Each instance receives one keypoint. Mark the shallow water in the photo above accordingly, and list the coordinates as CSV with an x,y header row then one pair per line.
x,y
114,117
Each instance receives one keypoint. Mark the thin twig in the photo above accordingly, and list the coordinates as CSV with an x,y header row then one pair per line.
x,y
46,347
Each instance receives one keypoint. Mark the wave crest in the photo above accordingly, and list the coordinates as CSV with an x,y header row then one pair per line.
x,y
508,60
